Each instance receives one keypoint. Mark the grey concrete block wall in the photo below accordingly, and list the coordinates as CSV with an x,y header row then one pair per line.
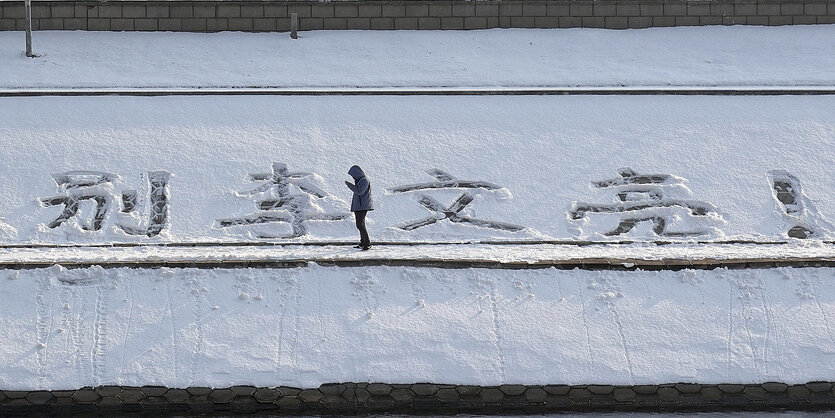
x,y
272,15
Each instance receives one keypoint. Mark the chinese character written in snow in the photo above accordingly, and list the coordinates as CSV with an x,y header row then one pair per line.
x,y
279,202
87,197
453,211
646,198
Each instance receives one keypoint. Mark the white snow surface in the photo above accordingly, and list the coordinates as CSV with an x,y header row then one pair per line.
x,y
63,329
693,56
543,151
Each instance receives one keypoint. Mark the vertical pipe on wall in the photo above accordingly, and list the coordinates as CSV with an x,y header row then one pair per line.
x,y
27,9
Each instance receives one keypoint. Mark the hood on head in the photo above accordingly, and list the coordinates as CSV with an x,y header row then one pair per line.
x,y
356,172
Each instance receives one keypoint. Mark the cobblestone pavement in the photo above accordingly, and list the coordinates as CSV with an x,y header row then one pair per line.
x,y
420,398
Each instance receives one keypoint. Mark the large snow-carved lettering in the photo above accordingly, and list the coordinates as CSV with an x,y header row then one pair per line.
x,y
657,199
87,198
454,211
279,202
797,210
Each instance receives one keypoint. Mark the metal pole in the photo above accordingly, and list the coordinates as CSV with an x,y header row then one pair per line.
x,y
27,6
294,25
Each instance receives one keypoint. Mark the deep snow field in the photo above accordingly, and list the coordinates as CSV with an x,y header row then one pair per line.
x,y
65,329
703,56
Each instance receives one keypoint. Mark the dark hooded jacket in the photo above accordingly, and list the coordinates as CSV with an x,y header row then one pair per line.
x,y
362,190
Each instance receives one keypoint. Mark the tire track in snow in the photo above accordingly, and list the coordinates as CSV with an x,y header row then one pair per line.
x,y
730,329
818,282
129,293
486,290
745,296
290,300
611,291
42,327
589,353
100,342
197,313
170,307
770,334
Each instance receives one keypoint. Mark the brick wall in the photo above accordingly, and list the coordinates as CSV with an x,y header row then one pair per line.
x,y
266,16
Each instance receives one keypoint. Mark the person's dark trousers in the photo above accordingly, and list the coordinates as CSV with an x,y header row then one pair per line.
x,y
365,241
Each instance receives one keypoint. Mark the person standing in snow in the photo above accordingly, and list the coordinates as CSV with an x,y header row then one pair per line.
x,y
361,203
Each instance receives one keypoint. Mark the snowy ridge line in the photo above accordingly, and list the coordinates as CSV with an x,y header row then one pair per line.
x,y
671,264
424,91
577,243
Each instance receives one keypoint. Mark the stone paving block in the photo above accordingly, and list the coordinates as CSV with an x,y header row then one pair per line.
x,y
289,403
424,389
110,403
121,24
791,9
222,396
774,387
578,394
605,9
85,396
50,24
38,397
624,394
241,24
310,395
430,23
156,11
131,11
217,25
754,392
522,22
448,395
275,10
109,391
63,10
687,21
768,9
492,395
814,9
819,386
639,22
170,24
668,394
40,11
440,10
510,9
463,10
601,389
594,22
688,387
199,391
546,22
534,9
252,10
153,390
345,10
477,22
731,388
417,10
176,396
467,390
512,390
243,390
109,10
13,10
378,389
798,392
804,20
675,9
581,10
625,9
757,20
266,395
402,395
358,23
370,10
557,389
486,9
300,9
536,394
779,20
193,25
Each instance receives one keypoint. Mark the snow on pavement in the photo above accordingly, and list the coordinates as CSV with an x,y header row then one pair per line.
x,y
63,329
691,56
